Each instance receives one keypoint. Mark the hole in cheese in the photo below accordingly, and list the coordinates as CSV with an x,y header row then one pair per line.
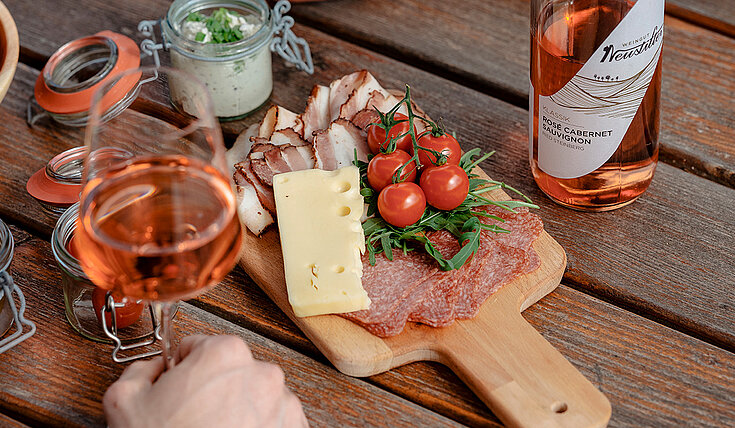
x,y
344,211
343,187
559,407
339,269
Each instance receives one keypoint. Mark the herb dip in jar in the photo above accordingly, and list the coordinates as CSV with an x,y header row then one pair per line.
x,y
226,45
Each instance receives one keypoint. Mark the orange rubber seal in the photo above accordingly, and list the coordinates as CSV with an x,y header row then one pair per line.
x,y
128,58
41,187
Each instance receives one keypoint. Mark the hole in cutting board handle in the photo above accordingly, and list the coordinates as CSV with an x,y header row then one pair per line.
x,y
559,407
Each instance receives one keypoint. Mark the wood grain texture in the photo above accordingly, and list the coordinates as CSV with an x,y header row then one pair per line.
x,y
477,43
601,256
7,422
485,45
58,378
718,15
631,359
510,367
486,122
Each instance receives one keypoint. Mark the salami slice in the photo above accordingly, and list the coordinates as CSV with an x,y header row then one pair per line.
x,y
388,284
437,307
412,288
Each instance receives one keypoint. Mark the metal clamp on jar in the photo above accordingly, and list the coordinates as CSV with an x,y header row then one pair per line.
x,y
10,315
238,74
95,313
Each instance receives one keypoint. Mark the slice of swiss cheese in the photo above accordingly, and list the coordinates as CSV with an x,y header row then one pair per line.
x,y
318,216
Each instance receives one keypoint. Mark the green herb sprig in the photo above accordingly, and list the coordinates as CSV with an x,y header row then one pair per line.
x,y
463,222
218,23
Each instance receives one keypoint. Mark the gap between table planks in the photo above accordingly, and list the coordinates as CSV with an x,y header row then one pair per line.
x,y
399,376
477,43
521,378
7,422
57,377
683,295
230,301
672,284
296,101
485,45
644,367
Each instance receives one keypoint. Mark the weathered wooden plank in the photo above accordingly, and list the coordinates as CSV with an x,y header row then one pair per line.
x,y
58,378
718,15
480,119
8,422
652,375
485,45
480,44
601,256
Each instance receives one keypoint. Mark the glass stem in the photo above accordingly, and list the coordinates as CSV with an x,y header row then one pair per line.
x,y
163,313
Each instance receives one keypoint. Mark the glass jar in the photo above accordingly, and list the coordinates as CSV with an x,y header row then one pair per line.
x,y
84,301
238,74
57,186
10,314
65,86
6,255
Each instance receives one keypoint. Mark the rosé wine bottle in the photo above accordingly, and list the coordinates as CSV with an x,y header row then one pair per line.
x,y
594,99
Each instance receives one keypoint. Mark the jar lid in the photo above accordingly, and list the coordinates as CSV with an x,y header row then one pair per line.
x,y
59,183
77,69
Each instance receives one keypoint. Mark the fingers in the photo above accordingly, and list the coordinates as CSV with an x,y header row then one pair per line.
x,y
293,412
188,344
121,396
225,350
143,371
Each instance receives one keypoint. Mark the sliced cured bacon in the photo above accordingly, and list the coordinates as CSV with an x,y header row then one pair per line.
x,y
263,192
277,118
284,152
335,146
316,115
365,117
384,103
341,89
249,208
358,99
241,149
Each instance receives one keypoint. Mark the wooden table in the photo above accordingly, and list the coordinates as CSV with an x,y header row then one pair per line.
x,y
646,309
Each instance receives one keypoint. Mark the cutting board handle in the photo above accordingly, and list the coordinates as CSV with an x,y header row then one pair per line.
x,y
524,380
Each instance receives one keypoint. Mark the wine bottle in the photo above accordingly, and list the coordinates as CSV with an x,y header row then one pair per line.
x,y
594,99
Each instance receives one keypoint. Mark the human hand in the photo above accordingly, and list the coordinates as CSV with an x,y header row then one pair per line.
x,y
216,383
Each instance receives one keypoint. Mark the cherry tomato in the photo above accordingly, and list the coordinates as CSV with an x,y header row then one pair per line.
x,y
376,135
401,204
125,316
382,167
445,144
445,186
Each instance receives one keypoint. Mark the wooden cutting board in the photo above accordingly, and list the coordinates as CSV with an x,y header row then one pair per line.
x,y
505,361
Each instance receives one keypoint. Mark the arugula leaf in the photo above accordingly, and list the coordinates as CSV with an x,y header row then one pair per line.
x,y
463,222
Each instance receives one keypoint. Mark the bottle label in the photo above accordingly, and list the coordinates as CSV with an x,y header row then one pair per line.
x,y
582,125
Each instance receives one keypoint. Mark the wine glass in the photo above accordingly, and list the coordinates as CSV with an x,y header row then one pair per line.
x,y
158,218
